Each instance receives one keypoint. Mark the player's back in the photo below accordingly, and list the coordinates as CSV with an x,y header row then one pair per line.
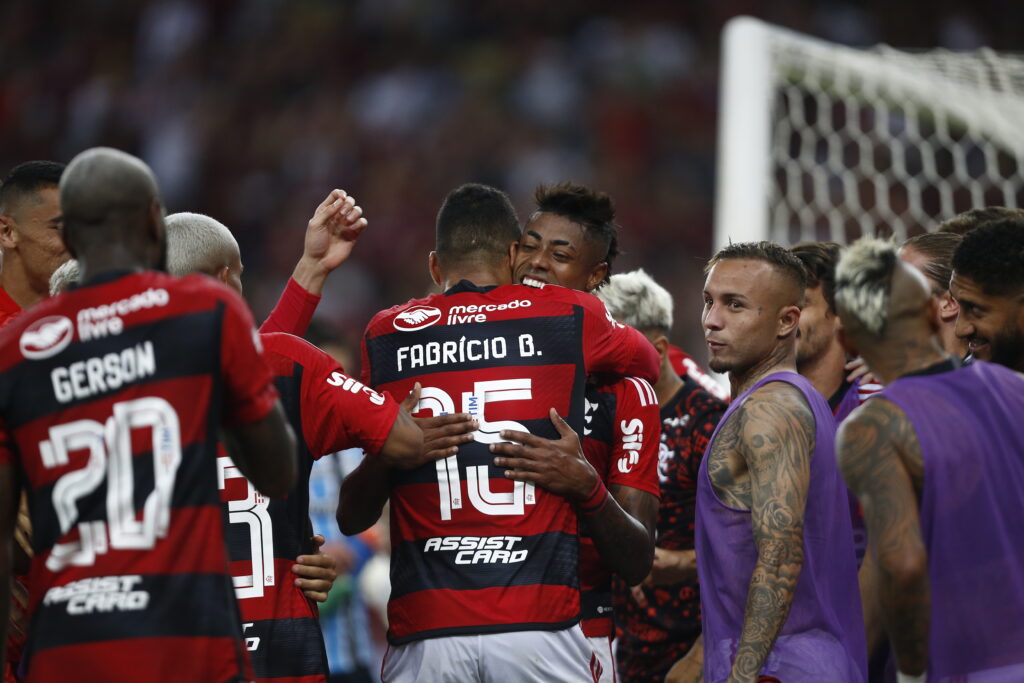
x,y
970,429
111,396
328,411
474,552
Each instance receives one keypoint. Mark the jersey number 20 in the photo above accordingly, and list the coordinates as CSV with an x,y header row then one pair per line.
x,y
110,457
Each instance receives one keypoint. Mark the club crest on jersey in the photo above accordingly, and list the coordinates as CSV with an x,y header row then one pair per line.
x,y
46,337
416,318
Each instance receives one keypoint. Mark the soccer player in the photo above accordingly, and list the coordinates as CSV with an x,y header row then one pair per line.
x,y
571,241
330,411
658,622
935,459
30,221
988,284
932,254
32,247
110,400
484,564
774,546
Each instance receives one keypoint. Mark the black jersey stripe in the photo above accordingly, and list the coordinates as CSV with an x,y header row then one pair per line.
x,y
414,568
181,345
185,605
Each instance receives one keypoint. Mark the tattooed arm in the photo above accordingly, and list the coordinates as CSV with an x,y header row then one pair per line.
x,y
880,457
777,441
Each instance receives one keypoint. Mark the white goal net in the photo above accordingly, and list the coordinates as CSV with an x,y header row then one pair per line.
x,y
819,141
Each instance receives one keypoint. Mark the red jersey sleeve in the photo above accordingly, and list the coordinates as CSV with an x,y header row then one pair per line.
x,y
345,412
293,311
338,411
610,347
249,385
636,434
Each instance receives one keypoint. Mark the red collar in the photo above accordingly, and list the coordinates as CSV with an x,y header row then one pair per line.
x,y
8,307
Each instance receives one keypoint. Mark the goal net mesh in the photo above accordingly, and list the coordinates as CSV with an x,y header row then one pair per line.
x,y
887,142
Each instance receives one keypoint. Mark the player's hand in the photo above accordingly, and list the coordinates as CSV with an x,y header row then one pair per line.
x,y
858,369
331,234
689,669
672,566
316,572
442,434
556,466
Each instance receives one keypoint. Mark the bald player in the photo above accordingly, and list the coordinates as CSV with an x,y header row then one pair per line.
x,y
774,546
111,397
935,460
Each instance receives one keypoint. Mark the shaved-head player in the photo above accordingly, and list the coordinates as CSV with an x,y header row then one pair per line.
x,y
111,397
774,544
935,458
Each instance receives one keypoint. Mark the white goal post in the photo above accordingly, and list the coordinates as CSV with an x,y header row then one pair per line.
x,y
818,141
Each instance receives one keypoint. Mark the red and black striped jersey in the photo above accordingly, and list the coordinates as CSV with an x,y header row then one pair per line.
x,y
654,637
685,366
331,412
620,440
473,552
111,396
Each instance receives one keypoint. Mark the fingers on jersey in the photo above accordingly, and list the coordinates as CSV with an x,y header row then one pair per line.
x,y
317,575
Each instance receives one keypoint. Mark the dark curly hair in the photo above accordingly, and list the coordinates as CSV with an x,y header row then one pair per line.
x,y
592,210
992,256
820,259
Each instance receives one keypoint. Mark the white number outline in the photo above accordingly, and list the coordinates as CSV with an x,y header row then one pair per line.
x,y
110,458
251,511
474,402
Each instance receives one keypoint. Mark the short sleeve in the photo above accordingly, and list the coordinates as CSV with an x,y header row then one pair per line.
x,y
636,435
339,411
249,385
610,347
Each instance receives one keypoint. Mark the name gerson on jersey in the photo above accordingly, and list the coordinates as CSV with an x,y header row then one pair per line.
x,y
473,552
110,398
331,412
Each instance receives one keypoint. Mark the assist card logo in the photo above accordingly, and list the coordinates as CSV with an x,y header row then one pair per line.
x,y
46,337
416,318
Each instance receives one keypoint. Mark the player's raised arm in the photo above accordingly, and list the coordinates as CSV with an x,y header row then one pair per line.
x,y
331,234
868,447
777,441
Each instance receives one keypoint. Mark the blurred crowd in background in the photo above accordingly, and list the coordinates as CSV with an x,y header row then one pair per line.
x,y
252,110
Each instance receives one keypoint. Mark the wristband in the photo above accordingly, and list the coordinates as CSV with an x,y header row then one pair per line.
x,y
907,678
595,500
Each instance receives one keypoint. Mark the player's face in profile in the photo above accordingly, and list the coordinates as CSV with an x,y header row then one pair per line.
x,y
817,326
554,250
990,324
739,314
40,243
